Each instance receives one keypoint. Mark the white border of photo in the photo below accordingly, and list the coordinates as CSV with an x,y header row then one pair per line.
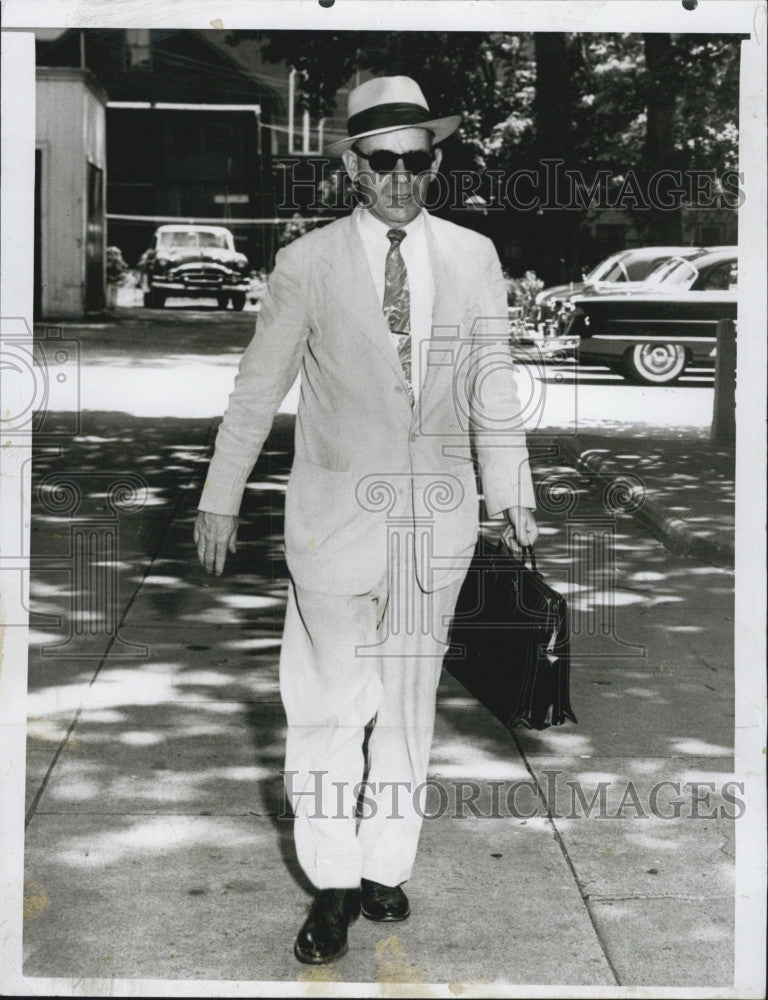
x,y
18,142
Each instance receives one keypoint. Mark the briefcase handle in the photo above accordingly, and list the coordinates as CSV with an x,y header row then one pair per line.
x,y
527,550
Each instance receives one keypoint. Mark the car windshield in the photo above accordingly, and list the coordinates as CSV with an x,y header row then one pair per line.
x,y
605,267
622,268
675,271
639,270
618,272
185,238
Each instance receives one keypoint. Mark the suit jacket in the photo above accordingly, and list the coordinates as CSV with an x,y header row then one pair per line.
x,y
372,476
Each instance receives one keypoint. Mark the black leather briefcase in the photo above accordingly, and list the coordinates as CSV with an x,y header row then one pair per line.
x,y
510,644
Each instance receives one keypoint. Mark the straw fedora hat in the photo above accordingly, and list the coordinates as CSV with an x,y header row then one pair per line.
x,y
388,103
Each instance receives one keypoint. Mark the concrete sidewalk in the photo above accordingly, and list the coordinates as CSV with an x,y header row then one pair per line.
x,y
156,845
681,490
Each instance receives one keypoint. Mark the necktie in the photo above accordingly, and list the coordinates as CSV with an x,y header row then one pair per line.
x,y
397,302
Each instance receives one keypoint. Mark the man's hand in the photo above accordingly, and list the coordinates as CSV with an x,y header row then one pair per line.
x,y
214,535
520,529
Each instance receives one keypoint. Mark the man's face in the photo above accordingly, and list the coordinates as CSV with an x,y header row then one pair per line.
x,y
394,198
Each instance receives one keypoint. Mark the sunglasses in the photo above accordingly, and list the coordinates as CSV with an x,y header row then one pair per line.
x,y
384,161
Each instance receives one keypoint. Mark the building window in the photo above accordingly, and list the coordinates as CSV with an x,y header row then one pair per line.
x,y
220,138
138,51
186,136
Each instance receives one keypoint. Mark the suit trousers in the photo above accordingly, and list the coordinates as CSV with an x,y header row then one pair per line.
x,y
347,660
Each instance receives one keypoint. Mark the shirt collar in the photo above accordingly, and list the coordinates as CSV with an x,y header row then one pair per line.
x,y
374,227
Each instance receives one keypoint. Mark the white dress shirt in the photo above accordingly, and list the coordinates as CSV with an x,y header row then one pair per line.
x,y
421,287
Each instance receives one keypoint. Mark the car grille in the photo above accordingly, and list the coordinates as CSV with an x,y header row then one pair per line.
x,y
201,275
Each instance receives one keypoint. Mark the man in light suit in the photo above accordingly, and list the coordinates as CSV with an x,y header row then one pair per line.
x,y
397,323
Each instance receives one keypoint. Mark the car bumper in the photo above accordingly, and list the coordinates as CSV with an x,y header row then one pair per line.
x,y
548,347
196,288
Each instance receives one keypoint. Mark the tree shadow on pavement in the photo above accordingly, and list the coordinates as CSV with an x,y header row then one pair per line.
x,y
161,771
650,632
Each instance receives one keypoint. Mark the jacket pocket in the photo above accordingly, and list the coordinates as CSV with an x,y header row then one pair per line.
x,y
319,502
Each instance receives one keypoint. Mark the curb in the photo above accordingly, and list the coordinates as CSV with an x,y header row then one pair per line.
x,y
675,535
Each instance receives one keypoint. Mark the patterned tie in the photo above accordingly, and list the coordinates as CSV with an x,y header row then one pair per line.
x,y
397,303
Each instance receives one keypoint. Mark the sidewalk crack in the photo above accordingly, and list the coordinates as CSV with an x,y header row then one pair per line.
x,y
651,896
567,858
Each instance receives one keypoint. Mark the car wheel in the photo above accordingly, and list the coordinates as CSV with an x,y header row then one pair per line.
x,y
238,301
654,363
222,301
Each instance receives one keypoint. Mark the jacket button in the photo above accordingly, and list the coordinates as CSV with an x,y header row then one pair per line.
x,y
413,437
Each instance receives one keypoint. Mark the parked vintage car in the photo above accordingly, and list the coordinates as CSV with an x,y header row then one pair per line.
x,y
622,271
194,262
651,335
632,265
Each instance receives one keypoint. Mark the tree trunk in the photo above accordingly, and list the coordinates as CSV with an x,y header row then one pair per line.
x,y
553,229
660,225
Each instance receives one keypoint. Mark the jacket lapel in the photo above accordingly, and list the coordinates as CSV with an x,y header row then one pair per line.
x,y
447,310
349,281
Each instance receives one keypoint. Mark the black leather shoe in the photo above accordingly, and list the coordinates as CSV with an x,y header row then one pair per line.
x,y
323,936
383,902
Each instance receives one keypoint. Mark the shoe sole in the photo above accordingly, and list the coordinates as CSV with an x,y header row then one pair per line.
x,y
310,960
385,920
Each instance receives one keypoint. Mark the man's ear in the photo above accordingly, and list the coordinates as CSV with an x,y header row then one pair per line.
x,y
437,157
349,158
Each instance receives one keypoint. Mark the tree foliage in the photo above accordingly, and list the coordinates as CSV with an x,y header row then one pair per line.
x,y
622,103
491,80
468,73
